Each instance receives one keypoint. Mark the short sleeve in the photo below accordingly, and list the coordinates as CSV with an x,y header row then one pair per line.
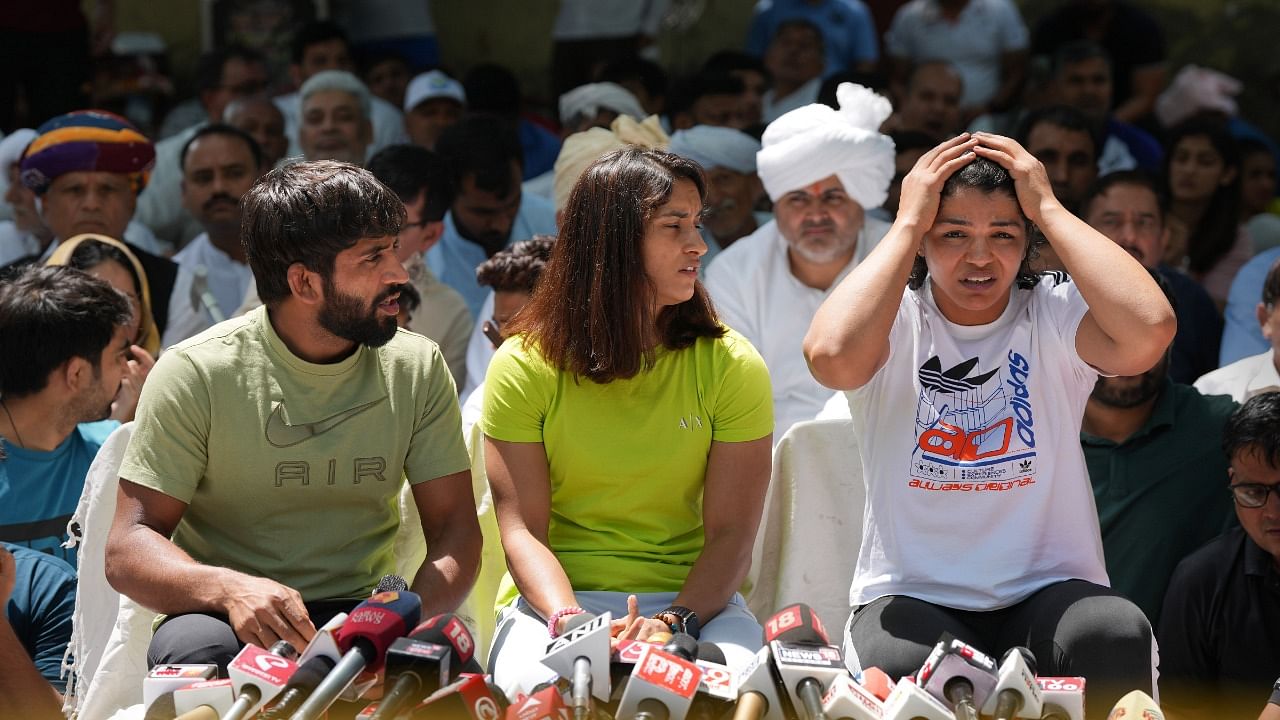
x,y
43,621
1064,308
168,451
517,394
436,448
743,407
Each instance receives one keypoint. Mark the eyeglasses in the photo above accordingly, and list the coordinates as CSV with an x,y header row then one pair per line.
x,y
1253,495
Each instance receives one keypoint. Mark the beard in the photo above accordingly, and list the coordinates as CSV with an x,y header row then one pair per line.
x,y
347,317
1132,394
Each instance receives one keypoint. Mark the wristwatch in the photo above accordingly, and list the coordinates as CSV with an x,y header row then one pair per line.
x,y
686,620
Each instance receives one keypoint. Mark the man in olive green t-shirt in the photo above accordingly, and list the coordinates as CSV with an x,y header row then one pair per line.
x,y
259,493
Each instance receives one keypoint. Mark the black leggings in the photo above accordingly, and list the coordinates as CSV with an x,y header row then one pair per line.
x,y
201,638
1072,627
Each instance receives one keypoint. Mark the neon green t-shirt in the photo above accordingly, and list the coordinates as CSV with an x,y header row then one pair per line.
x,y
628,458
292,470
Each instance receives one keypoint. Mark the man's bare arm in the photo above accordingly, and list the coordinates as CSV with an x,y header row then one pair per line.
x,y
144,564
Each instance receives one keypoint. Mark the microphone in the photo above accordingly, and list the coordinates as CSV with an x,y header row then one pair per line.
x,y
909,702
545,704
1137,705
582,654
472,696
661,687
258,676
877,682
216,695
683,646
370,629
1063,697
391,583
418,665
163,680
847,700
449,630
796,623
305,680
717,691
959,675
804,671
757,694
1016,693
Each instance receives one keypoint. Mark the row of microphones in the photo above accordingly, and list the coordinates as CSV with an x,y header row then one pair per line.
x,y
430,671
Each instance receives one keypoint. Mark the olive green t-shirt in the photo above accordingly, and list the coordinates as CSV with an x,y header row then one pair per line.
x,y
292,470
628,458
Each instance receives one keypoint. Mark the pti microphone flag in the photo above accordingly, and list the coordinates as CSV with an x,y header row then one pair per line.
x,y
661,686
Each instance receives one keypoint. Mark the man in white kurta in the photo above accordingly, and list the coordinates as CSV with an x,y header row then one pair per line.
x,y
822,168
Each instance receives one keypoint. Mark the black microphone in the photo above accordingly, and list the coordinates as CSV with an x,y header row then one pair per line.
x,y
370,629
418,665
301,685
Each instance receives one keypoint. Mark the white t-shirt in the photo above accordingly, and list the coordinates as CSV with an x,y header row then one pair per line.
x,y
227,281
1242,379
984,30
999,505
755,293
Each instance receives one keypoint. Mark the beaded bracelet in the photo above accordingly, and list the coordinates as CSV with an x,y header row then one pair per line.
x,y
555,618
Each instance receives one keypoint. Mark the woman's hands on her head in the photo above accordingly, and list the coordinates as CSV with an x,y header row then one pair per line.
x,y
922,187
1030,180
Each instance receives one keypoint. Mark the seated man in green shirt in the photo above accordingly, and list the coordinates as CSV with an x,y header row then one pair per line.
x,y
259,492
1152,447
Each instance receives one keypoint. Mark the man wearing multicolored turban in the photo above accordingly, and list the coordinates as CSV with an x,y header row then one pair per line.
x,y
87,168
823,169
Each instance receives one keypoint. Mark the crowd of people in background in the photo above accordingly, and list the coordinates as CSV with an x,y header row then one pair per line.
x,y
795,170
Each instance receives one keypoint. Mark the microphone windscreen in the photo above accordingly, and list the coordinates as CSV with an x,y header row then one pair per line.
x,y
310,673
683,646
378,621
448,629
1137,704
391,583
162,708
796,623
711,652
1028,657
577,621
877,682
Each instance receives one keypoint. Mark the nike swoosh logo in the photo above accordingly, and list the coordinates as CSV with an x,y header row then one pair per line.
x,y
282,435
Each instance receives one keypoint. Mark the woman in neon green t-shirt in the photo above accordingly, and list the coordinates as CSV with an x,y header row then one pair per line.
x,y
627,432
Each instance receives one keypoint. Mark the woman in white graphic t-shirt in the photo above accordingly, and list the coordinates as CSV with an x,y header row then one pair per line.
x,y
967,390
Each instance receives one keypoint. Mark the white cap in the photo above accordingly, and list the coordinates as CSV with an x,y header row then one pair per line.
x,y
713,147
12,147
431,85
591,98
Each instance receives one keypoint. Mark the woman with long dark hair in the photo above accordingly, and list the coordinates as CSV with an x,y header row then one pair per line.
x,y
627,432
967,377
1202,179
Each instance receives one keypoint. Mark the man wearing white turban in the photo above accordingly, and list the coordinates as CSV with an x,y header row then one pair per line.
x,y
823,169
729,158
